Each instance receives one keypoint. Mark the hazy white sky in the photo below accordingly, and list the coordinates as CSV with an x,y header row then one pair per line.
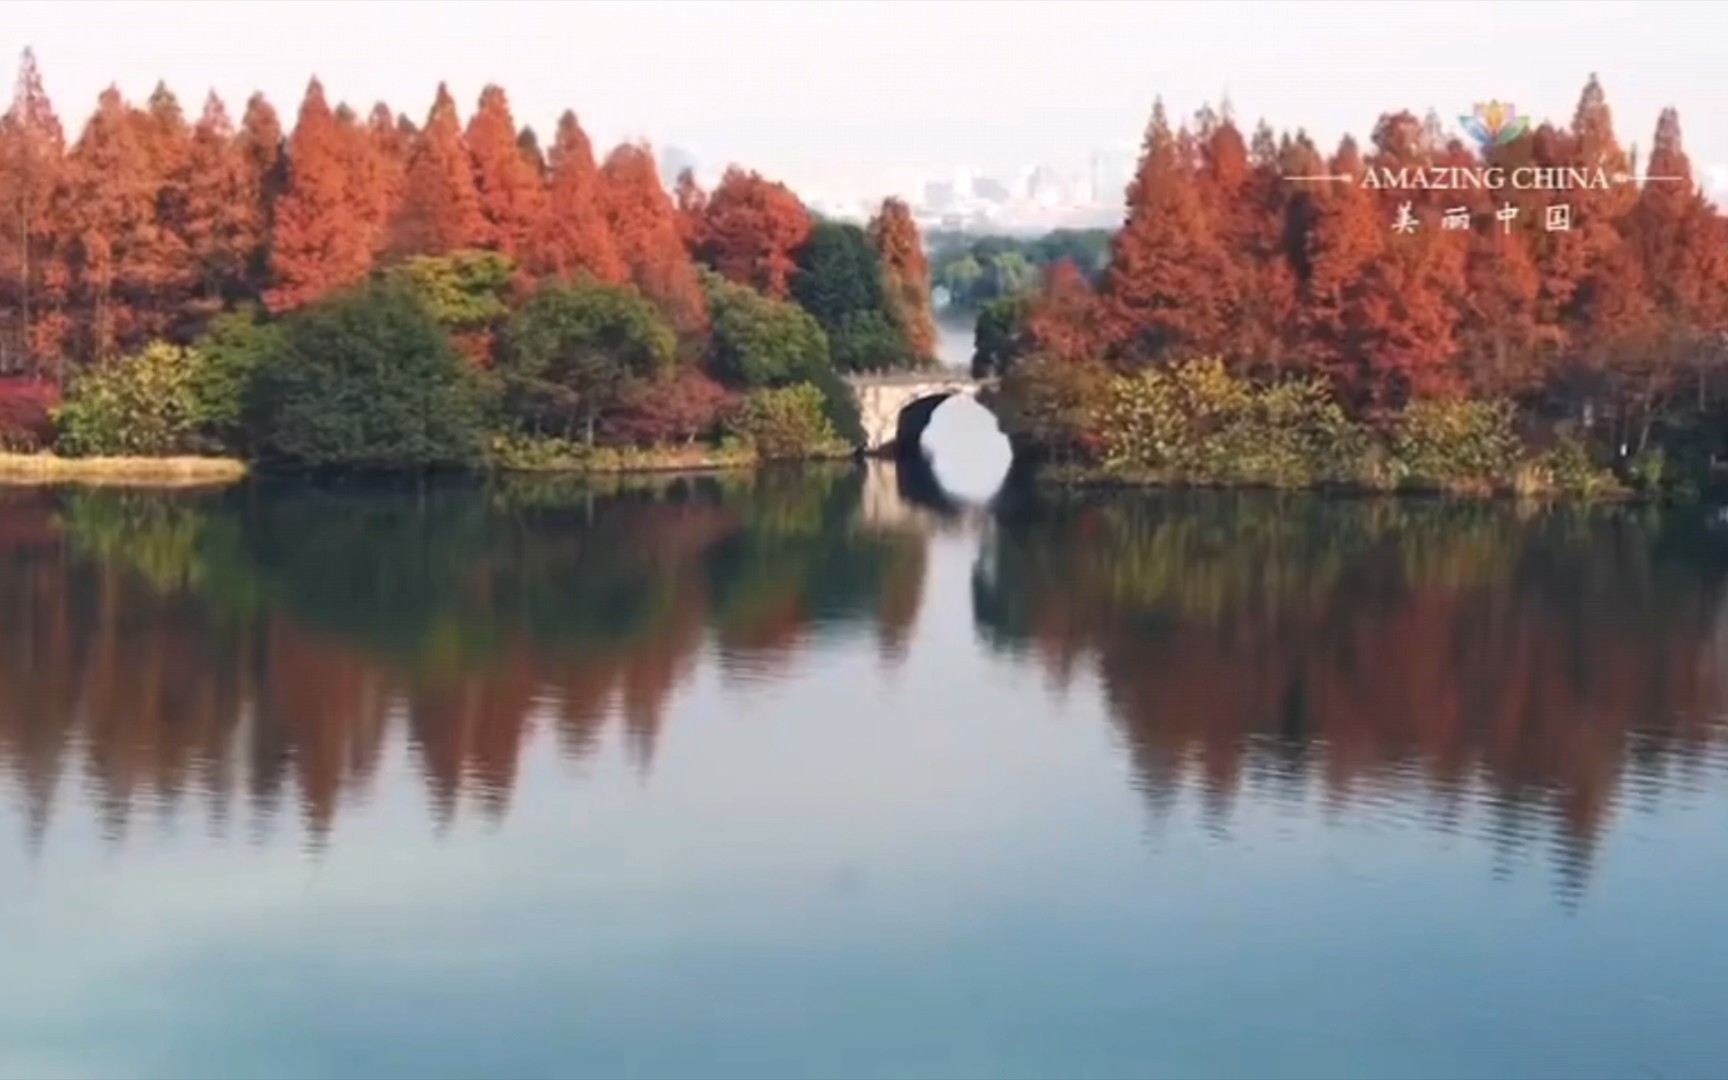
x,y
849,96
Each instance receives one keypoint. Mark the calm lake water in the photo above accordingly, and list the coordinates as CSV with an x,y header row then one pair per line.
x,y
834,774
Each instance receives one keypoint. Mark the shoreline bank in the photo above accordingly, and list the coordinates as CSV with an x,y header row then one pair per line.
x,y
188,471
1078,478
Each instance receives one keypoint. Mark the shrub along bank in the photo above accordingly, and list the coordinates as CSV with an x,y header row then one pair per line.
x,y
1195,424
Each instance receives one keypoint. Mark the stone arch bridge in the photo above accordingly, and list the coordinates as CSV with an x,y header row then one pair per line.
x,y
895,409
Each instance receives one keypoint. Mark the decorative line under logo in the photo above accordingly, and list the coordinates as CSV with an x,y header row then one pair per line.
x,y
1494,123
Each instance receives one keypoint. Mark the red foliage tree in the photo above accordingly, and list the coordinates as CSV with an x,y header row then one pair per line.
x,y
321,241
906,275
224,224
32,149
1163,293
440,209
512,196
1345,238
1063,321
692,203
645,226
676,408
528,145
264,157
750,227
26,413
577,238
388,144
127,268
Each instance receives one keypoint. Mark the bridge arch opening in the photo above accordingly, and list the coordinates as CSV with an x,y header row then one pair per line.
x,y
963,449
935,415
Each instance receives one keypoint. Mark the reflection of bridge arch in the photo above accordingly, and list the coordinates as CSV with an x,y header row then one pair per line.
x,y
905,494
895,409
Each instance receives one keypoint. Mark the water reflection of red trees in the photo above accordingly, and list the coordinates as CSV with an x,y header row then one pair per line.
x,y
1426,659
136,688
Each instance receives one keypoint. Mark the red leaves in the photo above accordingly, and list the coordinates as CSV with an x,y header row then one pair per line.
x,y
750,227
895,237
321,240
440,209
673,409
577,237
511,194
25,421
645,227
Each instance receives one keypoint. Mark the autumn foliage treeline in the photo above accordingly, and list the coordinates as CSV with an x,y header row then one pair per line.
x,y
1613,326
150,224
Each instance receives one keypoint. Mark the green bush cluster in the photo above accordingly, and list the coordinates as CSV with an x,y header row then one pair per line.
x,y
1198,424
788,422
148,404
1462,446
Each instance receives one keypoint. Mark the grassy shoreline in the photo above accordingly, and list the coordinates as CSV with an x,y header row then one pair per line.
x,y
48,469
45,468
1074,477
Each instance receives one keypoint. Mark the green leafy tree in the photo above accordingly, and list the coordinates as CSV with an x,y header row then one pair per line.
x,y
368,378
839,273
999,338
961,278
146,404
573,349
233,348
759,341
870,341
840,282
464,290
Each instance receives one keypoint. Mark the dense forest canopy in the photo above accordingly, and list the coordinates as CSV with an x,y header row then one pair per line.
x,y
211,245
1609,325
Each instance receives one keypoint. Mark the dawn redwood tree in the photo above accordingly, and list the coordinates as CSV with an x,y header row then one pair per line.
x,y
1346,237
512,195
1500,341
440,209
645,226
114,251
1260,223
1672,228
577,238
381,160
750,229
1163,292
1221,181
692,203
32,151
264,156
224,224
1063,320
321,240
905,275
528,145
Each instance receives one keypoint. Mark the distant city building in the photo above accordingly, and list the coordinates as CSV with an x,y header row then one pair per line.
x,y
1112,169
1044,186
989,188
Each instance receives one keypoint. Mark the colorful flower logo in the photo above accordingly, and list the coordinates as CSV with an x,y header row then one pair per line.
x,y
1495,124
